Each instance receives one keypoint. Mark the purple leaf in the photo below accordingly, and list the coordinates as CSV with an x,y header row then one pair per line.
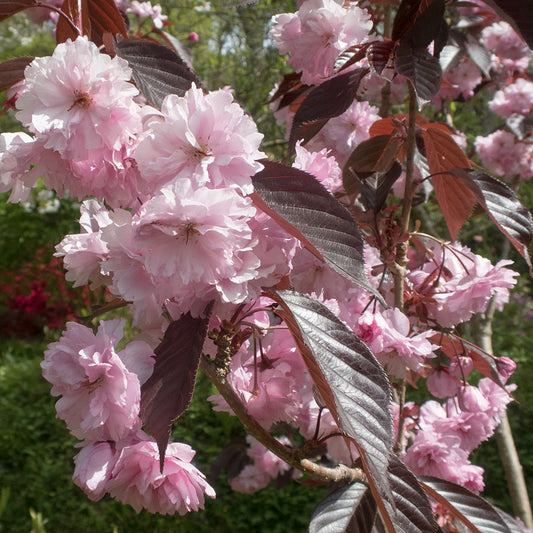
x,y
350,380
330,99
503,207
421,68
168,392
413,510
475,512
157,70
306,210
10,7
351,508
12,71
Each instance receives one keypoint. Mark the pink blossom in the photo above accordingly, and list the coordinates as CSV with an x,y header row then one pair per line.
x,y
319,164
389,337
204,138
344,133
462,80
511,53
13,147
83,253
316,34
79,100
137,481
265,467
461,276
145,10
442,384
93,468
100,394
505,155
515,98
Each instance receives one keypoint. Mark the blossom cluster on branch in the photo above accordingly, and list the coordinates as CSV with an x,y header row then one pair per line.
x,y
305,286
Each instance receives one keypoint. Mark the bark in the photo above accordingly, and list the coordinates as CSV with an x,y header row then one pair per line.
x,y
504,438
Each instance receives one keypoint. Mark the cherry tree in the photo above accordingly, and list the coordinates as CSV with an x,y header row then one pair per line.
x,y
307,292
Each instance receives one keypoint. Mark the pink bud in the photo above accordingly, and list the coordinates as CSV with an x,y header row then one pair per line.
x,y
472,400
442,384
506,367
193,36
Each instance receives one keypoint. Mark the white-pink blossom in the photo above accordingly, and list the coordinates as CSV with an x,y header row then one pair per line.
x,y
316,34
79,100
205,138
137,481
145,9
100,394
514,98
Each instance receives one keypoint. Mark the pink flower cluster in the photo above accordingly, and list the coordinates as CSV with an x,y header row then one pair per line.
x,y
317,33
448,433
100,392
449,276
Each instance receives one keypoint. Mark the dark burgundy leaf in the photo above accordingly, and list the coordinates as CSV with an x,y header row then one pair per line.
x,y
98,17
350,56
80,23
10,7
330,99
413,510
475,512
350,380
379,54
503,207
421,68
168,392
375,189
349,509
12,71
518,13
427,26
405,18
513,524
305,209
183,51
157,70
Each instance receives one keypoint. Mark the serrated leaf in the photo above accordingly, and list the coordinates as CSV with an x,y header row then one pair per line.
x,y
518,13
512,524
475,512
379,54
10,7
350,380
456,201
375,189
167,393
12,71
450,57
349,509
421,68
503,207
413,510
305,209
330,99
157,70
350,56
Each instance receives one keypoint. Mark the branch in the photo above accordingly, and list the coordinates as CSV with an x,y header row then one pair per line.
x,y
292,456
